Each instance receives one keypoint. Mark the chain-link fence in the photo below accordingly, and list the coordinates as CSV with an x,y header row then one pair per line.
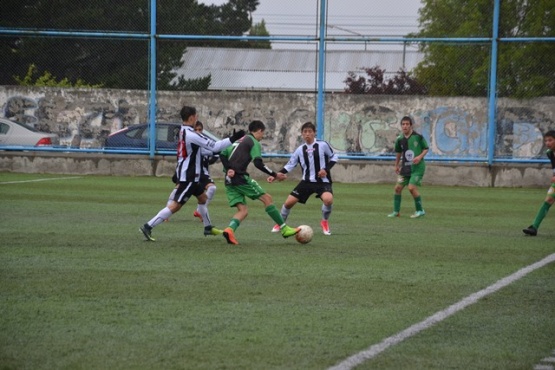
x,y
476,76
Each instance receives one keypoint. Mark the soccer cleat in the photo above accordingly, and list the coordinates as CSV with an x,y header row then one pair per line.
x,y
276,228
197,215
288,231
394,214
211,230
230,236
530,230
418,214
325,227
147,232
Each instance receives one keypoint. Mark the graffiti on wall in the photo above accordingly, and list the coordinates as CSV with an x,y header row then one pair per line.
x,y
450,132
455,130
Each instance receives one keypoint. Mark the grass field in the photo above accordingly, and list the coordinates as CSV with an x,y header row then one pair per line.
x,y
81,289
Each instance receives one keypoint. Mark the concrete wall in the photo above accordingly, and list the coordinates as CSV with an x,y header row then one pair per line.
x,y
349,171
454,127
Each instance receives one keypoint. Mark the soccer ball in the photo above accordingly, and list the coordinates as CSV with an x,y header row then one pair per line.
x,y
305,234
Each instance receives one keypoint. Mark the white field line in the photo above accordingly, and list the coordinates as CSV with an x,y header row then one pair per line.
x,y
376,349
37,180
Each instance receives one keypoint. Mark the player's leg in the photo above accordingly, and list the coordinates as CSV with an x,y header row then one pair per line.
x,y
327,204
235,198
299,193
182,194
272,211
414,182
402,181
202,209
532,230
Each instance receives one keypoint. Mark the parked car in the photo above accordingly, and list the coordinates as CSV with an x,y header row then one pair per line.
x,y
136,137
19,134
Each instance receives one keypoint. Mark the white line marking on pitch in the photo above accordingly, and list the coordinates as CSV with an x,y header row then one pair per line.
x,y
376,349
37,180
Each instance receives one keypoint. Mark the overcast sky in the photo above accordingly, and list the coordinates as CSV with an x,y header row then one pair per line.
x,y
346,18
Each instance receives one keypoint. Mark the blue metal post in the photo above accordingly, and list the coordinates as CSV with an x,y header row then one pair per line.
x,y
321,70
152,85
492,104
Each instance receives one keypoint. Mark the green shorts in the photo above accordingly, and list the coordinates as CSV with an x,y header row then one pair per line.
x,y
414,179
239,193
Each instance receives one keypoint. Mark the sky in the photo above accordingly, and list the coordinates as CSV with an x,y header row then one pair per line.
x,y
346,18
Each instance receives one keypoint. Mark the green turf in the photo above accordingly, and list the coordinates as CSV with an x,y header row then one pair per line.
x,y
81,289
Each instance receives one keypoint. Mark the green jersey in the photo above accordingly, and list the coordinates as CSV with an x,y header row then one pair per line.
x,y
239,155
409,148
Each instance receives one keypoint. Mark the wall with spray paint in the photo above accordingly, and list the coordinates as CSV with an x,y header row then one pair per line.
x,y
360,125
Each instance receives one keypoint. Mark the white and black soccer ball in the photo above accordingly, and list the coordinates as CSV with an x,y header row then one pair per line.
x,y
304,235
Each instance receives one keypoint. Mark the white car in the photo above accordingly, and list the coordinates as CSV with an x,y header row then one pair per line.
x,y
18,134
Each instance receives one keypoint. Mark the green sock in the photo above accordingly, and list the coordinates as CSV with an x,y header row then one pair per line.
x,y
541,214
418,203
397,203
234,224
273,212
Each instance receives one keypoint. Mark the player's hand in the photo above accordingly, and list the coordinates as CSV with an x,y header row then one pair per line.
x,y
270,179
281,176
236,135
322,173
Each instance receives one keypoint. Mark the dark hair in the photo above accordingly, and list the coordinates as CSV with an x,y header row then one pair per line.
x,y
550,133
199,124
187,112
406,118
256,125
309,125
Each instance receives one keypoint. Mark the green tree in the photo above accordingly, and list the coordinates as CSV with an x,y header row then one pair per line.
x,y
114,63
259,29
524,69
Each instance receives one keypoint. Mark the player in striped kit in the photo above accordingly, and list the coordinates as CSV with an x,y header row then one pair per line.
x,y
316,158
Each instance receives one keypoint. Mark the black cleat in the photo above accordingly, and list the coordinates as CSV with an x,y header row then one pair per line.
x,y
530,230
147,232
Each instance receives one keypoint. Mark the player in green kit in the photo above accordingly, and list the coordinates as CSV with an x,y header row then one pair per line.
x,y
532,230
411,147
239,185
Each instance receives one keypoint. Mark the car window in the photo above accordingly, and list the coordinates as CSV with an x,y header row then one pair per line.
x,y
4,128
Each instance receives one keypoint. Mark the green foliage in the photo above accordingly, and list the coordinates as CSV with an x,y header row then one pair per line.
x,y
402,83
525,70
259,29
47,79
81,289
114,63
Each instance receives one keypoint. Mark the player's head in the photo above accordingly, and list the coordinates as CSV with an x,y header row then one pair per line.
x,y
406,125
308,132
256,129
187,112
199,127
308,126
549,139
256,125
406,119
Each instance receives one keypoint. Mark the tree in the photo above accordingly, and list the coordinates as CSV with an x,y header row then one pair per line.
x,y
114,63
259,29
524,69
401,83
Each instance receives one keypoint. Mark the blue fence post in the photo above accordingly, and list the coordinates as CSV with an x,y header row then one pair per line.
x,y
152,85
492,93
320,103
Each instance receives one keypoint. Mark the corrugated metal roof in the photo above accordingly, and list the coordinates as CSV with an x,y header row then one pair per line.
x,y
286,70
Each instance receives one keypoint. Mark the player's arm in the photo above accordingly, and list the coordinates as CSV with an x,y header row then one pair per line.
x,y
419,158
259,163
333,158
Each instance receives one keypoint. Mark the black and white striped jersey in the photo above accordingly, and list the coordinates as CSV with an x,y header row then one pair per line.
x,y
313,158
189,154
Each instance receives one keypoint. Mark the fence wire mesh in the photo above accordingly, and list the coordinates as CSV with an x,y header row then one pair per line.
x,y
83,71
